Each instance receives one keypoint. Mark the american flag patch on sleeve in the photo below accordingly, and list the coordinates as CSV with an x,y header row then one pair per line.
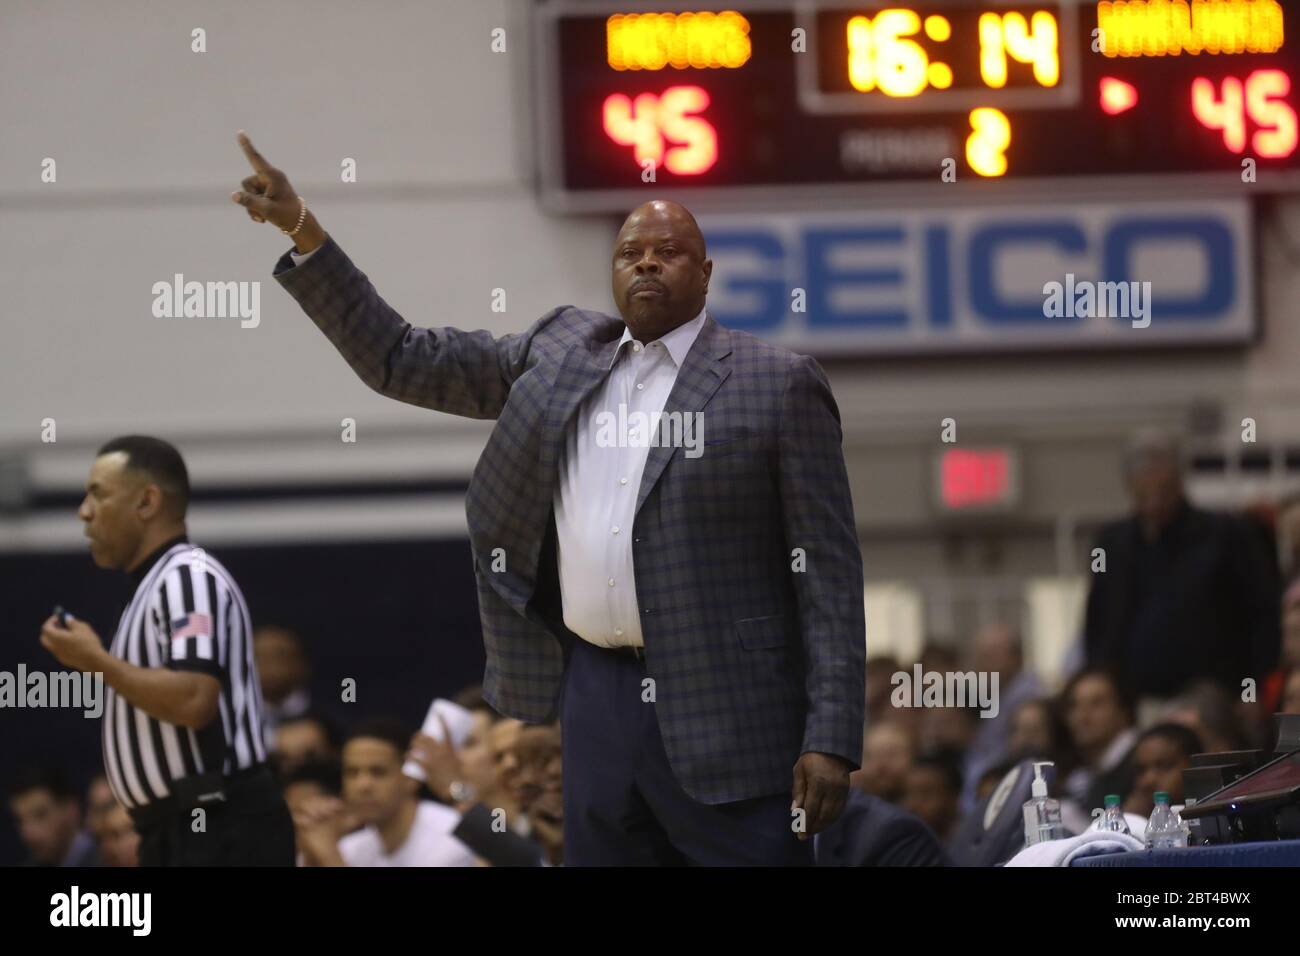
x,y
191,625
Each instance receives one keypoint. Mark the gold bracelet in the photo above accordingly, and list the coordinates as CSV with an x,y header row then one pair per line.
x,y
302,217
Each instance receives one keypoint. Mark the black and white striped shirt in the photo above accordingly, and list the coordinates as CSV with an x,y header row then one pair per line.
x,y
187,613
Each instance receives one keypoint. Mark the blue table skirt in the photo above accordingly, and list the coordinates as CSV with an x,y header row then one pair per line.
x,y
1279,853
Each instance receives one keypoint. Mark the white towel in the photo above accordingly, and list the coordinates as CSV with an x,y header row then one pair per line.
x,y
1061,852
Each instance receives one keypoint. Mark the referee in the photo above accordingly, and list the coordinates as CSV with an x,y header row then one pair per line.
x,y
183,714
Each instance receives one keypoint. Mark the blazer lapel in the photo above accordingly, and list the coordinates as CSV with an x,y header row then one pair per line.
x,y
583,369
699,377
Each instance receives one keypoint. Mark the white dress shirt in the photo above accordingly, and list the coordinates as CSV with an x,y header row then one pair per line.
x,y
597,487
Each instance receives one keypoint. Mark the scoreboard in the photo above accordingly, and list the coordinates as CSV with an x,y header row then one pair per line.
x,y
866,96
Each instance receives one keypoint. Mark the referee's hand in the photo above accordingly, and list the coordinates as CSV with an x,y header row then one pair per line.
x,y
76,646
268,197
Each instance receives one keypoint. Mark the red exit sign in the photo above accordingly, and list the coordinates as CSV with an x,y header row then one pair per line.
x,y
978,479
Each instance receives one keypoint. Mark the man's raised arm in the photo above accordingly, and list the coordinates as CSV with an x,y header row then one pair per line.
x,y
463,373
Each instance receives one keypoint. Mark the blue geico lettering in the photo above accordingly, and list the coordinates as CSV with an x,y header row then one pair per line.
x,y
927,253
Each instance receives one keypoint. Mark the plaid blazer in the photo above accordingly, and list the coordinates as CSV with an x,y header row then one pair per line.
x,y
747,565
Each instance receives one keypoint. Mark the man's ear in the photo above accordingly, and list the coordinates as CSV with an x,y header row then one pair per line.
x,y
708,272
150,503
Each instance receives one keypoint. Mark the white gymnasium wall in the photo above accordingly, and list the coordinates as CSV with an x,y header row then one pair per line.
x,y
143,132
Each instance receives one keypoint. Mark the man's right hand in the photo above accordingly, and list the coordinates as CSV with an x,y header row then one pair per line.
x,y
268,197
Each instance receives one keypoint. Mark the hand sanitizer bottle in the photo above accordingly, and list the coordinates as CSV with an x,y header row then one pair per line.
x,y
1042,813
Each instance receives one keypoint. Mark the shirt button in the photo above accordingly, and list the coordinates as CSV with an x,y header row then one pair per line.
x,y
622,481
640,386
611,582
614,529
636,346
618,632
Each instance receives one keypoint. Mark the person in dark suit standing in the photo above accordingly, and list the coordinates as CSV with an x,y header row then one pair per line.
x,y
663,540
1186,594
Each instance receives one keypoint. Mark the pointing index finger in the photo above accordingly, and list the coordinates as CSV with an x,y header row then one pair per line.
x,y
254,157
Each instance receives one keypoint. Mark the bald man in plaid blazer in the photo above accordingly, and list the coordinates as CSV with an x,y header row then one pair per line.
x,y
724,734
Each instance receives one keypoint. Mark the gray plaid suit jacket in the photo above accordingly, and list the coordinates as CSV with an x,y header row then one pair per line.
x,y
754,662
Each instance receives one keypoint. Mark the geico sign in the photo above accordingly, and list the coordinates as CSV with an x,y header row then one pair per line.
x,y
969,279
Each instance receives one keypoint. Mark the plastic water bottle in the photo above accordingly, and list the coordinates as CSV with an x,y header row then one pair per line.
x,y
1113,819
1164,829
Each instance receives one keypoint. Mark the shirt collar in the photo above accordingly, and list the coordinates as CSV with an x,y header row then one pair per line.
x,y
143,568
678,342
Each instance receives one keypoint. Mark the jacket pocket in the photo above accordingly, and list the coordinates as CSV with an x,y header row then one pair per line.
x,y
756,633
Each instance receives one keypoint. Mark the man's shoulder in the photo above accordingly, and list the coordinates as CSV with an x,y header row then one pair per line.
x,y
749,354
436,816
432,841
568,325
195,558
360,847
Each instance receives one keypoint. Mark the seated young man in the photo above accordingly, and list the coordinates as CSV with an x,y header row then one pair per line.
x,y
396,827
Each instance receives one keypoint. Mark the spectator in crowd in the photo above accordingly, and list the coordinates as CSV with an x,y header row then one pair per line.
x,y
396,827
502,739
948,728
874,832
47,815
1039,732
119,843
932,792
887,752
285,671
880,672
99,804
307,737
1291,694
1291,626
309,781
468,780
938,656
538,786
1270,694
953,730
1288,536
1186,593
1161,755
474,772
1211,713
311,790
1100,716
997,650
